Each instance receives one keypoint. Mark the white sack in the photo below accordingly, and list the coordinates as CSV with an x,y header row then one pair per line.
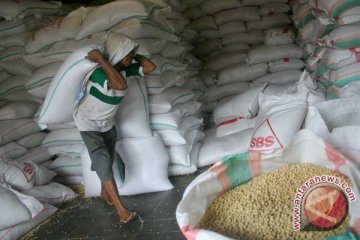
x,y
66,166
20,9
279,36
12,84
346,141
19,230
252,38
266,53
169,120
32,140
146,161
17,67
340,112
36,155
286,64
216,92
18,110
239,14
242,73
140,28
215,149
213,6
315,123
12,130
232,27
132,118
16,208
106,16
244,105
283,77
271,134
163,102
223,60
64,89
52,193
61,29
274,7
234,126
156,84
62,137
267,22
18,39
12,150
73,150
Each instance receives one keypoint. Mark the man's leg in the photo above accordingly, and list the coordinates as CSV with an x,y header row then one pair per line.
x,y
102,164
110,187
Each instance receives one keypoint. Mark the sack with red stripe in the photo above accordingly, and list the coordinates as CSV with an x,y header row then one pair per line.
x,y
242,168
243,105
279,119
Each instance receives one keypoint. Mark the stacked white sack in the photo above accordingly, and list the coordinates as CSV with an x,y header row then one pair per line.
x,y
329,32
240,27
55,50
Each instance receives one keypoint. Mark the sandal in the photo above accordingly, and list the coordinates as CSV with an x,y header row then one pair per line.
x,y
130,218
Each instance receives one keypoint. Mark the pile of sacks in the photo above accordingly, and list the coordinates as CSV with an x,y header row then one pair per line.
x,y
226,31
329,34
270,64
158,123
29,192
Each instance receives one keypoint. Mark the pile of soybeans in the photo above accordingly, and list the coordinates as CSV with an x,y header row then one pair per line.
x,y
263,208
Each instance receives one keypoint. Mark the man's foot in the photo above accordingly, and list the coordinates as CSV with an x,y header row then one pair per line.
x,y
129,218
106,197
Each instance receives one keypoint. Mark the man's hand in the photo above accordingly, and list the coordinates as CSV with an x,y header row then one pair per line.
x,y
148,65
95,56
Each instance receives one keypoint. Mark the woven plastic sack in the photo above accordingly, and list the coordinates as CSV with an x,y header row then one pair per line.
x,y
16,231
271,134
242,73
16,208
239,14
132,118
267,53
347,36
334,8
279,36
61,29
214,6
241,168
22,8
252,38
67,82
108,15
286,64
267,22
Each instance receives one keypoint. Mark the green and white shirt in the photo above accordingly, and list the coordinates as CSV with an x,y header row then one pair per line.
x,y
100,103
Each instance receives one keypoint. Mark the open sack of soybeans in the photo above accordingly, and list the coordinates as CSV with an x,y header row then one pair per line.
x,y
308,191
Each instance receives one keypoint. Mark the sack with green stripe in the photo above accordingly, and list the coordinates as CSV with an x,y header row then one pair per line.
x,y
62,137
333,8
61,50
347,36
65,87
22,8
132,118
335,58
237,170
106,16
303,15
345,75
40,80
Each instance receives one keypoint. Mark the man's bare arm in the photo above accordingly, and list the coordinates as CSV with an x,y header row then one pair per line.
x,y
116,81
147,64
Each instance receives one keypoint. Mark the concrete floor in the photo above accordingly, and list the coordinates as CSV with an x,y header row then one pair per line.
x,y
92,218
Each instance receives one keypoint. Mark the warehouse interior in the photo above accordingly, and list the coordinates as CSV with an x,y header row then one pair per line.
x,y
241,119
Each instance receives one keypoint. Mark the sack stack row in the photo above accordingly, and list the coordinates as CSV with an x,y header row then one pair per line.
x,y
226,31
270,65
28,188
328,31
158,123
